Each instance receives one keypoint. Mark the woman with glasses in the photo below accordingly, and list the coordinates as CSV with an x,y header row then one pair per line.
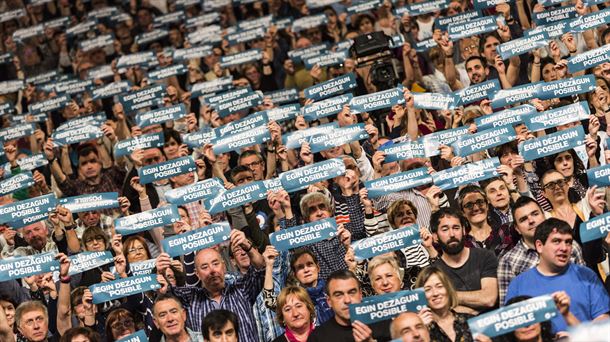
x,y
95,240
556,187
135,249
444,324
571,167
119,323
480,233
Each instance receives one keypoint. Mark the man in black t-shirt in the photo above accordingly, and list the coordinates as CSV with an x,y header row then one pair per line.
x,y
343,289
472,270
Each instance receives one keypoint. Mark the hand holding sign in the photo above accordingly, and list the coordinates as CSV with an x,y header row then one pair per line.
x,y
270,255
361,332
64,265
345,236
562,300
162,263
596,200
238,238
117,244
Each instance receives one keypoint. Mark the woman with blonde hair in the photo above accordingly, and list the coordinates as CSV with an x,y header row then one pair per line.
x,y
384,274
444,324
296,313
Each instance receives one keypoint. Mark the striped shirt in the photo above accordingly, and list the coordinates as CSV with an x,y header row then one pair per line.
x,y
424,211
238,297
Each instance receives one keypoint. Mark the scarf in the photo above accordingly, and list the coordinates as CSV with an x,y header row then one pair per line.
x,y
290,335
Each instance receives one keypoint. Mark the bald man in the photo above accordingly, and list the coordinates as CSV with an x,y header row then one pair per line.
x,y
237,296
409,327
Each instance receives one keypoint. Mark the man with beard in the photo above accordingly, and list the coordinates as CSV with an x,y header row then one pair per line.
x,y
472,270
36,235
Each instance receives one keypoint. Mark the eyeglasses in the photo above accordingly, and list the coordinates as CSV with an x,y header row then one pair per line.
x,y
134,250
551,185
128,323
320,206
38,320
94,238
470,205
253,164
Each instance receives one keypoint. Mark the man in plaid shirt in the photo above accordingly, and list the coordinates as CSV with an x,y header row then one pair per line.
x,y
528,215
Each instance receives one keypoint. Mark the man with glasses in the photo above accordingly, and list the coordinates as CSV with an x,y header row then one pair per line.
x,y
472,270
32,321
253,161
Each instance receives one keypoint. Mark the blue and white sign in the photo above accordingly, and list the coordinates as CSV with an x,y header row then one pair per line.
x,y
553,143
443,22
435,101
138,336
591,20
555,15
91,202
398,182
227,96
387,242
424,7
146,220
28,208
167,169
110,90
283,96
509,318
210,87
477,92
239,58
466,145
287,112
567,87
466,174
338,137
161,115
135,59
326,59
200,138
125,287
202,190
32,162
512,116
308,22
151,36
197,239
244,36
558,116
589,59
244,102
295,139
196,52
387,306
407,150
599,176
332,87
304,235
300,178
140,142
76,135
143,98
519,46
243,125
596,228
85,261
375,101
324,108
16,132
167,72
49,105
506,97
257,135
21,267
473,27
236,197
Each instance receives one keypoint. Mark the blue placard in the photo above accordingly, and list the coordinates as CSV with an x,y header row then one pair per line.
x,y
425,45
169,18
283,96
308,22
435,101
138,336
443,22
599,176
466,174
202,190
567,87
135,59
236,197
554,30
326,59
477,92
557,116
76,135
338,137
405,150
424,7
227,96
141,267
509,318
16,132
244,36
91,202
202,20
511,116
49,105
205,35
332,87
209,87
196,52
167,169
444,137
244,102
522,93
287,112
125,287
7,108
85,261
254,23
555,15
151,36
296,55
483,4
197,239
82,27
243,125
96,119
398,182
21,267
140,142
74,87
161,115
387,306
143,98
553,143
596,228
473,27
387,242
147,220
110,90
295,139
98,42
379,100
255,136
591,20
41,78
304,235
27,208
32,162
300,178
14,14
363,7
328,107
28,32
589,59
240,58
16,182
200,138
466,145
519,46
172,70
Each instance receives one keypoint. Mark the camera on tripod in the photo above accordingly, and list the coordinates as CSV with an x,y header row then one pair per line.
x,y
373,49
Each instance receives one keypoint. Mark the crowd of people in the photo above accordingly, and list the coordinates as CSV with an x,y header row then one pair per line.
x,y
68,73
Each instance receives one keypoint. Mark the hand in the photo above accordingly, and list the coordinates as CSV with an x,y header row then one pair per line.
x,y
9,236
191,122
499,65
282,152
109,132
364,199
64,264
568,40
120,264
65,216
361,332
562,300
433,196
87,301
503,32
305,154
139,188
507,174
40,181
162,263
457,161
181,227
270,255
276,132
208,152
555,52
344,235
350,259
593,126
163,282
117,244
580,7
205,219
137,156
284,199
596,200
49,149
446,152
591,146
107,276
344,117
238,238
316,72
426,315
378,159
